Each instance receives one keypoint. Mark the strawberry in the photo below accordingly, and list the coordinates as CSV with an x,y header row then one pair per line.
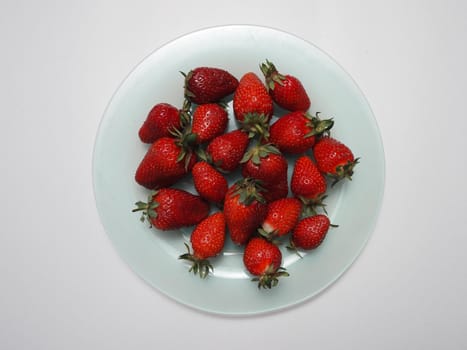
x,y
171,208
244,209
310,232
334,159
296,132
207,240
161,120
281,217
208,121
286,90
252,104
208,84
308,184
264,162
227,150
165,162
276,190
210,184
263,259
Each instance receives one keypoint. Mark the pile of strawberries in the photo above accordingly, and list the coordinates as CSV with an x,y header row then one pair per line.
x,y
256,211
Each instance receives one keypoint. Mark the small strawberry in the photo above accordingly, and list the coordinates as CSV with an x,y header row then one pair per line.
x,y
308,184
208,121
264,162
281,217
227,150
208,84
263,259
209,183
286,90
207,241
334,159
171,208
296,132
244,209
165,162
310,232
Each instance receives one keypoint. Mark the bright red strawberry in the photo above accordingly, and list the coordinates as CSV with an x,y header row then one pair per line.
x,y
208,84
263,259
281,217
207,241
308,184
310,232
251,97
210,184
286,90
164,164
227,150
296,132
171,208
264,162
208,121
275,191
334,158
244,210
161,121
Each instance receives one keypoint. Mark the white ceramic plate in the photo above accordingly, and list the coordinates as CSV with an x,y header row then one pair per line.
x,y
153,255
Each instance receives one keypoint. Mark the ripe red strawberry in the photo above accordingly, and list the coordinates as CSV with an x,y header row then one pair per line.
x,y
275,191
308,184
165,162
334,159
244,209
208,121
263,259
296,132
286,90
251,98
281,217
207,241
161,120
210,184
171,208
208,84
227,150
310,232
264,162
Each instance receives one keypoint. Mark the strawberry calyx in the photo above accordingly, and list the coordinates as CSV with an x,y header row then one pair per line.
x,y
271,74
249,190
255,124
310,205
343,171
148,208
270,278
318,126
270,236
256,153
186,140
198,266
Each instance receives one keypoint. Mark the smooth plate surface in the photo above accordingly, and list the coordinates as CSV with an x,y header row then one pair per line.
x,y
153,255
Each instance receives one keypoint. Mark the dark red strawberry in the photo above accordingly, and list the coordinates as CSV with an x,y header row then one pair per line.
x,y
281,217
263,259
210,184
209,84
334,159
308,184
227,150
244,209
171,208
207,241
286,90
266,163
310,232
165,162
208,121
276,190
296,132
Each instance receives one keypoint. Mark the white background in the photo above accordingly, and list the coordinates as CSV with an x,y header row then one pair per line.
x,y
62,284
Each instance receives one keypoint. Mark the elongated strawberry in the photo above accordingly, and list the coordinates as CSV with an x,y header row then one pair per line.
x,y
281,217
165,162
334,158
286,90
296,132
308,184
171,208
227,150
266,163
207,241
208,121
263,259
310,232
209,183
208,84
244,209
